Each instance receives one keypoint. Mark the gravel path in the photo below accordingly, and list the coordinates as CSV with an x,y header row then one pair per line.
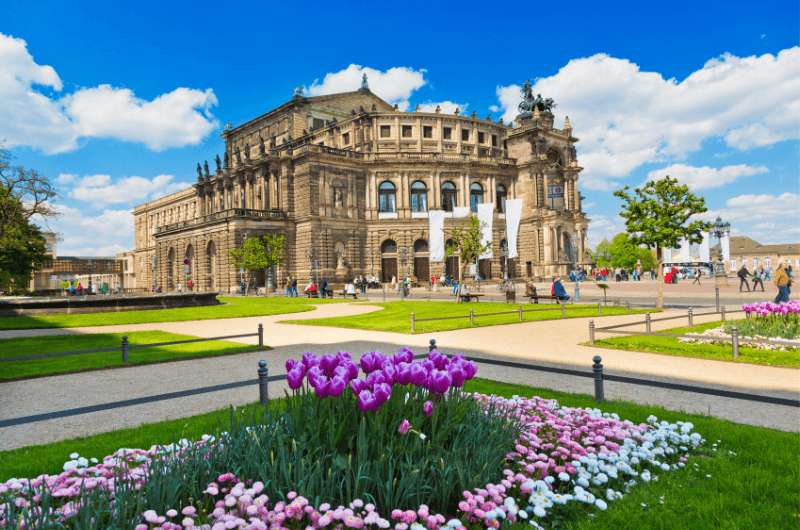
x,y
554,342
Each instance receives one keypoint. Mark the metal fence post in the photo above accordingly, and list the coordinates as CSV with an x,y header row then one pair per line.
x,y
628,305
431,345
722,312
261,336
647,322
591,332
412,322
471,317
263,388
519,310
716,297
735,341
125,349
690,314
597,368
563,310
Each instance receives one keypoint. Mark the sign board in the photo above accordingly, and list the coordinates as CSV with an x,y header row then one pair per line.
x,y
555,191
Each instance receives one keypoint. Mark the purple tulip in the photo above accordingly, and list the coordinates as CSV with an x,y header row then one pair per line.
x,y
439,361
427,408
389,373
402,375
470,369
376,377
371,361
439,381
358,385
295,377
382,392
309,360
328,363
404,427
336,386
418,374
291,363
457,374
365,401
404,355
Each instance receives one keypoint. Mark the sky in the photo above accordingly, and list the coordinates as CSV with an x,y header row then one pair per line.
x,y
118,103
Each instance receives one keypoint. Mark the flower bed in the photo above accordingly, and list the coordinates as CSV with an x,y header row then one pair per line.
x,y
391,442
766,319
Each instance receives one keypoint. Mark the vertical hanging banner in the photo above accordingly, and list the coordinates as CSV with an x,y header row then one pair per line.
x,y
513,216
705,249
436,234
666,255
686,251
485,216
725,247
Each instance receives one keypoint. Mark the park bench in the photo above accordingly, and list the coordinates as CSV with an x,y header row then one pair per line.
x,y
345,294
469,297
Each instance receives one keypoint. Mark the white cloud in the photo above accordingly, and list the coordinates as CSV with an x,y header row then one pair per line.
x,y
80,234
446,107
101,189
604,227
626,117
31,115
66,178
394,85
705,177
764,217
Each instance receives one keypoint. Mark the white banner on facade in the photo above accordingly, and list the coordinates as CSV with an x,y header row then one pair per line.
x,y
725,245
513,216
485,216
686,251
666,255
705,249
461,211
436,234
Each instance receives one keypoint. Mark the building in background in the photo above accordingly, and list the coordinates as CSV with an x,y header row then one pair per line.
x,y
747,251
350,181
96,271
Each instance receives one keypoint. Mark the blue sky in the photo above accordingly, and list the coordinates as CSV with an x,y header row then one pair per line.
x,y
119,103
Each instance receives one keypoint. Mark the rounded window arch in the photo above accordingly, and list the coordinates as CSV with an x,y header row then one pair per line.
x,y
420,246
502,194
449,193
387,197
389,247
419,196
475,196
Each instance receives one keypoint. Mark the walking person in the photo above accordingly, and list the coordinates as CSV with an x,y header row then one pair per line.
x,y
288,286
576,297
743,274
782,282
294,288
758,278
697,276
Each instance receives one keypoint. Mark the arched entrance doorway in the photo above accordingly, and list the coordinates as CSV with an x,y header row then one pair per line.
x,y
451,268
211,255
388,260
188,268
171,269
569,248
422,268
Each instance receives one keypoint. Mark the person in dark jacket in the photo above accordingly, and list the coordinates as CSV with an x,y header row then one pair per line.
x,y
743,274
558,290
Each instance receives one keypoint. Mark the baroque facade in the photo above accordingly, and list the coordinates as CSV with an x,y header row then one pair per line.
x,y
349,180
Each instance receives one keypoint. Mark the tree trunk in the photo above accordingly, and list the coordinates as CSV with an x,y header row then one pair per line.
x,y
659,279
461,279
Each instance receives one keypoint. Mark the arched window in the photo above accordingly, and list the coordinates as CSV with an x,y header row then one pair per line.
x,y
419,196
389,247
448,196
386,197
475,196
420,245
188,268
502,195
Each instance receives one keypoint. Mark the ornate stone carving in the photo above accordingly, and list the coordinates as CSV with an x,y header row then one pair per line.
x,y
530,102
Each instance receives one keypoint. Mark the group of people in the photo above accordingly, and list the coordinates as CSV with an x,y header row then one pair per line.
x,y
782,279
324,289
620,274
76,288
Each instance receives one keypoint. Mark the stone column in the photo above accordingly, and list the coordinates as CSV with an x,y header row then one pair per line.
x,y
464,190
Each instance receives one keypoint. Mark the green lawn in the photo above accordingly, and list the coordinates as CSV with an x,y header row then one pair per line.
x,y
749,478
112,358
719,352
395,316
231,307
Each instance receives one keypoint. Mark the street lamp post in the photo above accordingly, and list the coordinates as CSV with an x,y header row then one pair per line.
x,y
720,230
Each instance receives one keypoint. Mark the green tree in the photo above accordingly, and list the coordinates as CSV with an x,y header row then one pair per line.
x,y
467,245
24,193
22,246
602,255
258,254
658,215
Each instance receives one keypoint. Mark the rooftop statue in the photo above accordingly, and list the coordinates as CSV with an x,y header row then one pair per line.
x,y
205,168
218,162
530,102
199,172
364,82
261,149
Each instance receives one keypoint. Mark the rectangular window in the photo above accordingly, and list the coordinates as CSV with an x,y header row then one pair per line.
x,y
465,135
345,138
316,123
386,131
481,137
427,131
494,140
447,133
406,131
